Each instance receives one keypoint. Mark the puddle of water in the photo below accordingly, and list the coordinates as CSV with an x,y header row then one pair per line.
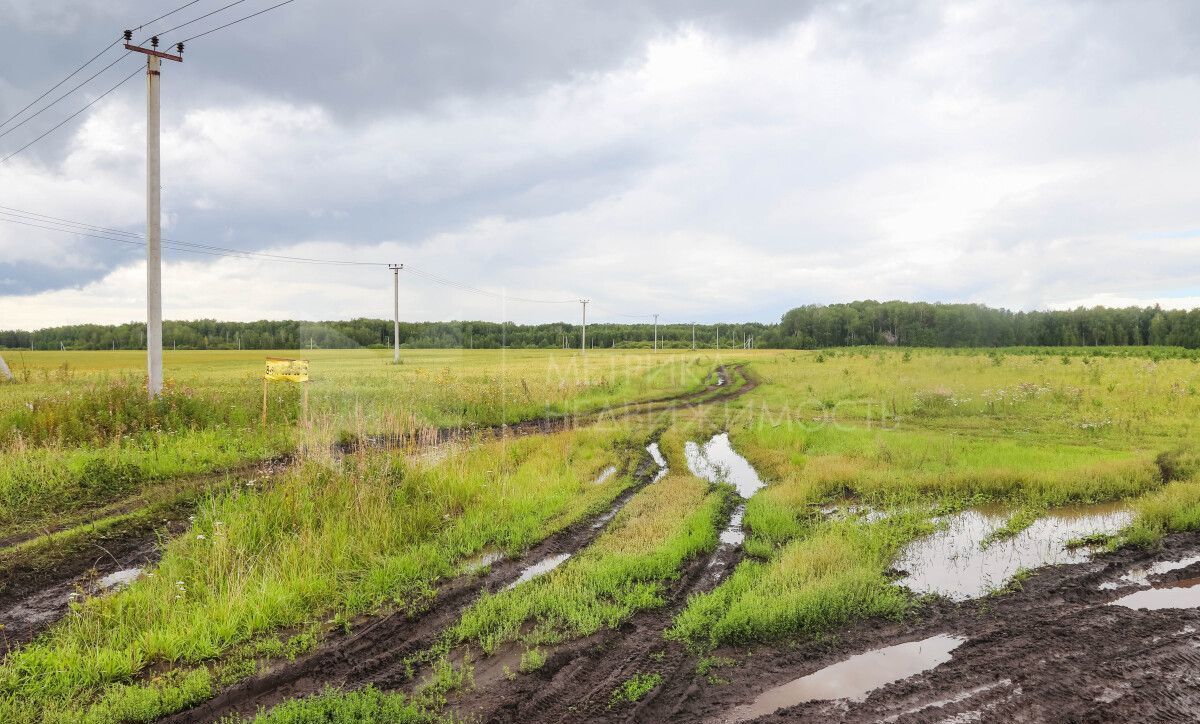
x,y
605,474
656,455
951,562
119,578
718,462
855,678
1179,594
540,568
478,563
733,535
1141,575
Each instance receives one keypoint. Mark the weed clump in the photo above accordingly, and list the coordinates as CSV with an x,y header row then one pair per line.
x,y
634,688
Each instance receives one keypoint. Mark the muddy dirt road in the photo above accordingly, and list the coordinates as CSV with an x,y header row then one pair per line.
x,y
1057,650
35,594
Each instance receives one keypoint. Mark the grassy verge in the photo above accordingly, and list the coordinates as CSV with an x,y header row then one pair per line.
x,y
627,569
812,586
320,542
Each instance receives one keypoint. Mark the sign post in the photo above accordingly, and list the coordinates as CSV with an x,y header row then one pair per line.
x,y
284,369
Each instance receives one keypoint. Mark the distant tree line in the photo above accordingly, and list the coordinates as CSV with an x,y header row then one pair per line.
x,y
911,324
293,334
920,324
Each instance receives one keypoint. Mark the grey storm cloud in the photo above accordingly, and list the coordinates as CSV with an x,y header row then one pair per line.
x,y
705,158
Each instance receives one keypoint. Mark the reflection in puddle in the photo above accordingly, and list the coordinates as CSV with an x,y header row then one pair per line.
x,y
951,562
854,678
733,534
481,562
1179,594
717,462
656,455
542,567
605,474
119,578
1141,575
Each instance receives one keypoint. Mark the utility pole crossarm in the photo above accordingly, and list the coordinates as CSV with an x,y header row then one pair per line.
x,y
156,53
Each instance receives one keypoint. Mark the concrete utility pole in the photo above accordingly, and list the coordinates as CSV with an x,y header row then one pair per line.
x,y
693,335
656,331
154,353
395,311
718,336
583,337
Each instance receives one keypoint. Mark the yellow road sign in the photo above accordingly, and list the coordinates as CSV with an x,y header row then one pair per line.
x,y
282,369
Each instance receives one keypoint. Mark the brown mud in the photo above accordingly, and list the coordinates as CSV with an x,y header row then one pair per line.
x,y
34,595
377,649
34,591
1055,650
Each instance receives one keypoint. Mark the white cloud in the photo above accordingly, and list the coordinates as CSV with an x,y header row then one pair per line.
x,y
970,152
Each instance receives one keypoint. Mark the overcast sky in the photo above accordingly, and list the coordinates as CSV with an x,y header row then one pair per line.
x,y
705,160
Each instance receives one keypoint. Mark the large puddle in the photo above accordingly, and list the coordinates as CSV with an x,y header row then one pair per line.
x,y
718,462
953,562
855,678
1141,575
1177,594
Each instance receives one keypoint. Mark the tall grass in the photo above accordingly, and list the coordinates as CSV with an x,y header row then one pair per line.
x,y
627,569
320,542
815,585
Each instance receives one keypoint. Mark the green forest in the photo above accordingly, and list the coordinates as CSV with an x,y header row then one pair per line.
x,y
910,324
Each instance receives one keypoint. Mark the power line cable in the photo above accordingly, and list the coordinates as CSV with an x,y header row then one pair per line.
x,y
56,85
195,20
52,103
89,61
137,238
195,248
76,113
235,22
476,290
165,15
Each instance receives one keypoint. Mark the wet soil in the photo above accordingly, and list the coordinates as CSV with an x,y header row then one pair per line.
x,y
377,648
34,591
35,595
1056,650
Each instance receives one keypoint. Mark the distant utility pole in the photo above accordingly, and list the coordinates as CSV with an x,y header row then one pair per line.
x,y
583,337
718,336
154,353
656,331
693,335
395,311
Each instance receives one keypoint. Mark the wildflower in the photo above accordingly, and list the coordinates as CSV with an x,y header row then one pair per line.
x,y
199,536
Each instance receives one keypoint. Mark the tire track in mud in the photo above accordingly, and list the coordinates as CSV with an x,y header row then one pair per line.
x,y
1053,651
33,595
721,391
585,671
36,588
376,651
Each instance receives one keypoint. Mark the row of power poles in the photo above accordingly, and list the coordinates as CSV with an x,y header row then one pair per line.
x,y
154,352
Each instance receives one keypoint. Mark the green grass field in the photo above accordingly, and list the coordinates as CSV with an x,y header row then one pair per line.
x,y
265,572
